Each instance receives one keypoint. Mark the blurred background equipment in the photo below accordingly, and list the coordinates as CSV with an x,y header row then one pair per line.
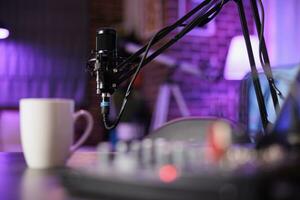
x,y
284,78
169,87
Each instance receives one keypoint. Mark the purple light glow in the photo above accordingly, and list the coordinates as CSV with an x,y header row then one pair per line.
x,y
4,33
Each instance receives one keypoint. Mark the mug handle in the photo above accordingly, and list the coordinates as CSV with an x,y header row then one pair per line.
x,y
87,131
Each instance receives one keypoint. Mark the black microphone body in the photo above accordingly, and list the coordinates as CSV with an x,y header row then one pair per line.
x,y
106,60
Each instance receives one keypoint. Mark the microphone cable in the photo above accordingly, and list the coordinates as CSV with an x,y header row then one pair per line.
x,y
129,88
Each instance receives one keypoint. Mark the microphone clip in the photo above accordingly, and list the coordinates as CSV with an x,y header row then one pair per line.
x,y
101,66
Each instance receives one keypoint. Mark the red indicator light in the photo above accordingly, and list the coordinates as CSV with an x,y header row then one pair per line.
x,y
167,173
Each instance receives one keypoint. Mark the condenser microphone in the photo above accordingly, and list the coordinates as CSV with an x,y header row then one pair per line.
x,y
106,60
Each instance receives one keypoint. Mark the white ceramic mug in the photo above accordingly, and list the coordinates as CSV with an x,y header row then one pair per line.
x,y
47,131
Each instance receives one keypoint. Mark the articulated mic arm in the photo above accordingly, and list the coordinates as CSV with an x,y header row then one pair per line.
x,y
203,13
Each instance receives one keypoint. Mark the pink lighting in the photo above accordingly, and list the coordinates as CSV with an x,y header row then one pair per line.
x,y
4,33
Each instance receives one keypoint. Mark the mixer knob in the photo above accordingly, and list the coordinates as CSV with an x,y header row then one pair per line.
x,y
103,154
134,149
124,162
161,152
121,147
178,155
147,153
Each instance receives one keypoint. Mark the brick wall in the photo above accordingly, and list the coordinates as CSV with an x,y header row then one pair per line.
x,y
208,95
